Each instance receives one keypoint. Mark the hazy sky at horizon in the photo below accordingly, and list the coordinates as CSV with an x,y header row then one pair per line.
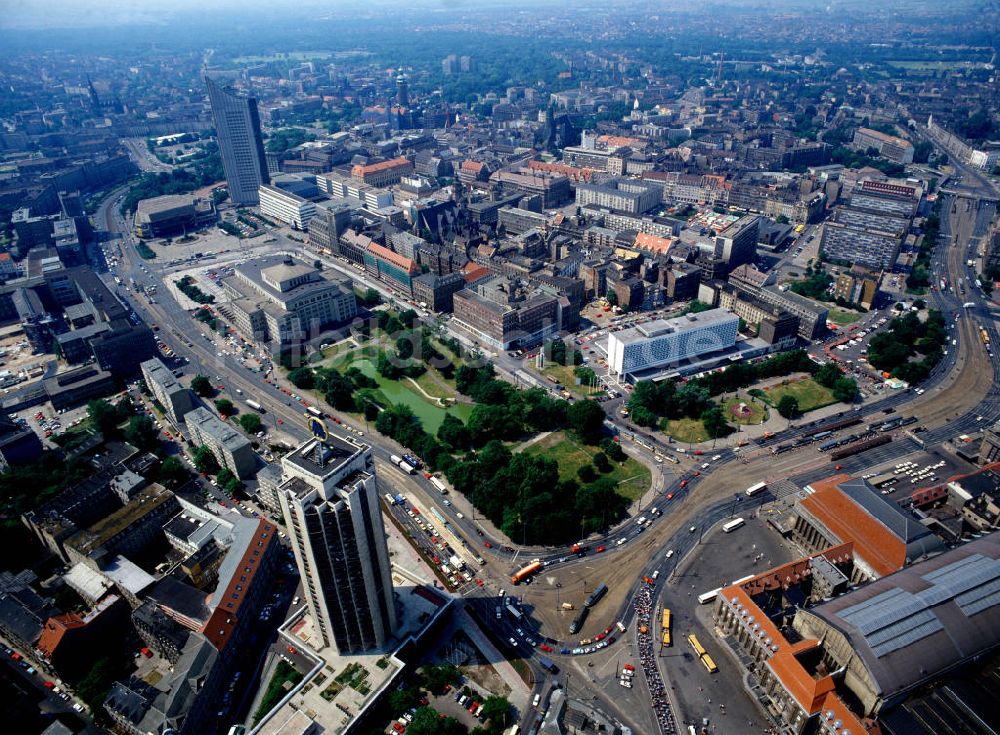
x,y
42,14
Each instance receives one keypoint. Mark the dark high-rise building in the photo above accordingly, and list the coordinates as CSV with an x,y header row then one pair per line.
x,y
330,505
237,128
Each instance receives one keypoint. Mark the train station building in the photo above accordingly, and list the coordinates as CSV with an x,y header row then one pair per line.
x,y
913,652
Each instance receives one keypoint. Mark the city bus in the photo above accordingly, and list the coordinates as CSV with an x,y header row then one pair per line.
x,y
709,663
754,489
696,645
732,525
525,572
706,597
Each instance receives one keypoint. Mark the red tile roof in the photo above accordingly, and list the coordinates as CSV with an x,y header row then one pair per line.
x,y
473,272
573,173
54,630
223,620
653,244
370,168
873,542
395,258
814,694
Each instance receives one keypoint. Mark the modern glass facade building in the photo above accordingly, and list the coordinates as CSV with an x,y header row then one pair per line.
x,y
669,341
237,128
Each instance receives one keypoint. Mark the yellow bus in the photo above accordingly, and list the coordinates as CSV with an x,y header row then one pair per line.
x,y
666,638
666,618
709,663
693,640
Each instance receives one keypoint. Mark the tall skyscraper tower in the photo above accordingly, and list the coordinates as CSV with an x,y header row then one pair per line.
x,y
237,128
330,503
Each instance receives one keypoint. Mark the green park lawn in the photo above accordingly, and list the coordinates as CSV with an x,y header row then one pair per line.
x,y
566,376
687,431
403,392
758,411
810,394
633,477
843,317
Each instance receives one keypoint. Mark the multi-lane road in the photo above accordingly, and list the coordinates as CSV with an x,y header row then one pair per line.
x,y
960,396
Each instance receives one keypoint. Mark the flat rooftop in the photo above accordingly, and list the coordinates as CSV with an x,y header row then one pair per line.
x,y
321,458
676,325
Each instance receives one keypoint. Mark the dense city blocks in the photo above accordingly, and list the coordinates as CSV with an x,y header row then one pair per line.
x,y
499,369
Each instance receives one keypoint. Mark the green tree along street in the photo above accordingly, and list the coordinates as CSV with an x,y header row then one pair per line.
x,y
250,422
187,287
205,461
920,274
225,407
172,472
142,432
496,711
229,482
202,386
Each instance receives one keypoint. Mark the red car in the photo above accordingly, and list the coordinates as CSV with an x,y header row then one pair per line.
x,y
292,650
397,727
487,544
839,467
670,496
480,582
698,452
684,483
599,549
599,637
697,473
545,647
49,685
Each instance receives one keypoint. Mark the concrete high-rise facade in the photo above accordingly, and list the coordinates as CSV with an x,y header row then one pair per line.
x,y
329,500
237,128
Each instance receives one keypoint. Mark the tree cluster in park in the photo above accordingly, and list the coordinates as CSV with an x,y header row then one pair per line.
x,y
652,403
521,493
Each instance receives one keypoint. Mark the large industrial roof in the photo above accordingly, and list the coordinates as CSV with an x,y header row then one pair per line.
x,y
921,621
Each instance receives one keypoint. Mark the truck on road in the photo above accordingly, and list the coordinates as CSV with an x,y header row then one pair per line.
x,y
402,464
